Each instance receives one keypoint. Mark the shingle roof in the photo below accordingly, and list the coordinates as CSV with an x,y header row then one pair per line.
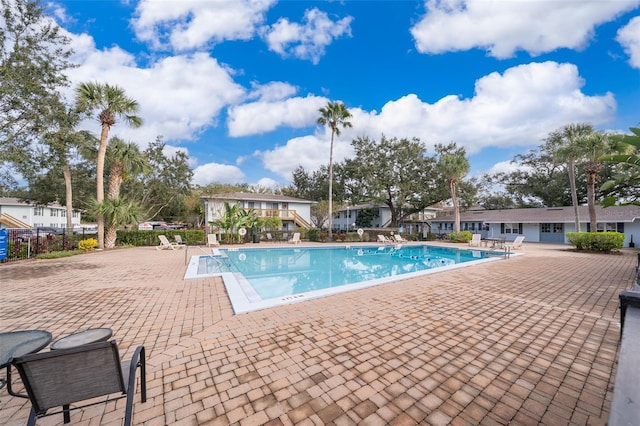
x,y
545,215
251,196
10,201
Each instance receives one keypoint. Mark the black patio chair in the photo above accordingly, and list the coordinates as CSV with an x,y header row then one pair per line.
x,y
62,377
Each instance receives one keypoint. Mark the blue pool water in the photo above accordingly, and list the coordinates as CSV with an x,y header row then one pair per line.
x,y
288,274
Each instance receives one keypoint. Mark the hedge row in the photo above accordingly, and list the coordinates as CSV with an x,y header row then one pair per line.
x,y
596,241
150,238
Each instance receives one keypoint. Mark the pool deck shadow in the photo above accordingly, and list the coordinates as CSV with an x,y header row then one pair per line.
x,y
527,340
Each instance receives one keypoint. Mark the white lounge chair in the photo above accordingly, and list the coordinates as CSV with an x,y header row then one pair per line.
x,y
295,239
212,240
383,239
476,240
400,239
269,237
178,239
165,244
517,243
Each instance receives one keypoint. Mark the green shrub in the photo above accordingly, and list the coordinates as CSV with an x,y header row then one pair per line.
x,y
596,241
314,234
88,244
138,238
460,237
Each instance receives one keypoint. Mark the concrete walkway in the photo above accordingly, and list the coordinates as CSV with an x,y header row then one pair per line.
x,y
529,340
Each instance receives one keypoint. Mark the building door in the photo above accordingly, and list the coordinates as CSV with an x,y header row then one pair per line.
x,y
552,233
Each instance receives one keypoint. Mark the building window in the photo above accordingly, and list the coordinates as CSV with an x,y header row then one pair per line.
x,y
53,213
557,228
250,204
75,214
63,213
38,211
511,228
608,227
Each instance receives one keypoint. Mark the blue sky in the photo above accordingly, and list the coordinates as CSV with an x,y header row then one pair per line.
x,y
237,84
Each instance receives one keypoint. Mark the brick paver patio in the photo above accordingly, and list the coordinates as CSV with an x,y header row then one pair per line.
x,y
529,340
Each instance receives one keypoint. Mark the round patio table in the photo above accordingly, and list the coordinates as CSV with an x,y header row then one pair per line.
x,y
18,343
80,338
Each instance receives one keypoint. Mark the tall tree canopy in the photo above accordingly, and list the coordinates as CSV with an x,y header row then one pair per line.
x,y
161,191
34,56
398,173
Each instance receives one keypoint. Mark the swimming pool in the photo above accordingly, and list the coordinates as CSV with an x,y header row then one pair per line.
x,y
262,278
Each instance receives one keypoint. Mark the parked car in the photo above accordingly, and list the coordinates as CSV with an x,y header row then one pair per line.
x,y
85,229
23,235
49,230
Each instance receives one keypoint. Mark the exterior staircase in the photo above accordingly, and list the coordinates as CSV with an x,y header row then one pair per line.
x,y
12,222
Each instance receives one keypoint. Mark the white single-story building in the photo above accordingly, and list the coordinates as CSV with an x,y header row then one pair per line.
x,y
17,214
545,225
294,212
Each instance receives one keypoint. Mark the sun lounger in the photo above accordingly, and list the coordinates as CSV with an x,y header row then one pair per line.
x,y
476,240
295,239
165,244
212,240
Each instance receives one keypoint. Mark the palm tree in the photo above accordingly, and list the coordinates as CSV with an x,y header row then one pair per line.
x,y
228,221
125,160
592,148
453,166
111,103
627,148
568,151
117,212
626,152
334,115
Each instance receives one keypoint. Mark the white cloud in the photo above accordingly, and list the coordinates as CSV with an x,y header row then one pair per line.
x,y
179,96
273,91
503,27
267,183
217,173
309,40
629,37
516,108
505,167
310,152
261,117
184,25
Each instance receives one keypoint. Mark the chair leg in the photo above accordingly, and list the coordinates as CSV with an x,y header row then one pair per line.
x,y
66,414
32,418
138,360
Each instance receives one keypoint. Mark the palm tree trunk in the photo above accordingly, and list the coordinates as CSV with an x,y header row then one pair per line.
x,y
574,194
110,237
456,207
102,149
68,197
331,187
115,181
591,201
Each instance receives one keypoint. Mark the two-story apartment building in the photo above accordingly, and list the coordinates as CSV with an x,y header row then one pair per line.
x,y
293,212
417,223
17,214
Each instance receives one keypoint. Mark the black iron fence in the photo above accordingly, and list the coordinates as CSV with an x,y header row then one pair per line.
x,y
29,243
